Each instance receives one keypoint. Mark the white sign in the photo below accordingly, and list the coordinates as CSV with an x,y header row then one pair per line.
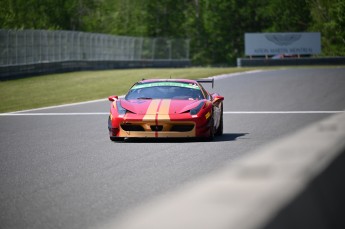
x,y
262,44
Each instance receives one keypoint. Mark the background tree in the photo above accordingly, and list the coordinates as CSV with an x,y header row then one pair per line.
x,y
215,27
47,14
288,16
328,17
121,17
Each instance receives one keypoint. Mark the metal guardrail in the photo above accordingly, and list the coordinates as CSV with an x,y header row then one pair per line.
x,y
256,62
27,47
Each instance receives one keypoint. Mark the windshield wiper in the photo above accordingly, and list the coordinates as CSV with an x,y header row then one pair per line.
x,y
144,98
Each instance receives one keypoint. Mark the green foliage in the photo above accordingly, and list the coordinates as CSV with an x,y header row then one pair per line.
x,y
225,23
47,14
215,27
288,16
120,17
329,19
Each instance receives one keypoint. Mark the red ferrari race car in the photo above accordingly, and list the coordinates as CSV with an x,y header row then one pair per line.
x,y
166,108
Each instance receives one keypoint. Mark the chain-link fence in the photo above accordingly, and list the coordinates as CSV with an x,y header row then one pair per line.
x,y
23,47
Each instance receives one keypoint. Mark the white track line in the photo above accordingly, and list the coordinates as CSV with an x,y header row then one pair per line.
x,y
54,114
59,106
225,112
224,76
282,112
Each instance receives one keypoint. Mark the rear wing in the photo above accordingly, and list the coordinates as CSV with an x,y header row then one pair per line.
x,y
206,81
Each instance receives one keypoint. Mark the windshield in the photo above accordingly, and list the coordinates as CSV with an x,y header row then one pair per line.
x,y
165,90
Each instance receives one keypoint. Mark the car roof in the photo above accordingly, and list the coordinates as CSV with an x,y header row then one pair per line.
x,y
168,80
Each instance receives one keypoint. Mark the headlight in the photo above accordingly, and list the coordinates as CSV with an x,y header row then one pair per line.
x,y
120,109
196,109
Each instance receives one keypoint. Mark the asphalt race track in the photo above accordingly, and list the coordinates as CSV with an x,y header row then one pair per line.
x,y
58,168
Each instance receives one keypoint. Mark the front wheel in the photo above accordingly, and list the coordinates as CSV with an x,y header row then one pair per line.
x,y
112,134
220,127
211,135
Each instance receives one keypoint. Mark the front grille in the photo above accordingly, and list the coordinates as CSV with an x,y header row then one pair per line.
x,y
156,127
182,128
131,127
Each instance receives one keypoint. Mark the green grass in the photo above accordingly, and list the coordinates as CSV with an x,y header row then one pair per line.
x,y
56,89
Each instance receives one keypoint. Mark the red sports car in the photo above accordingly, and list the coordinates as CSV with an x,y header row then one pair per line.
x,y
161,108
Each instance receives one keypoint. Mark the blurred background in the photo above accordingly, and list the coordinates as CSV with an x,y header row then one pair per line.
x,y
212,30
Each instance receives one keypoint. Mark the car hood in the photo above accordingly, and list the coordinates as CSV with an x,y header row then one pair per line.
x,y
161,106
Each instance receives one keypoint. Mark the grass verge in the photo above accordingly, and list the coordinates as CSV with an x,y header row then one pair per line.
x,y
57,89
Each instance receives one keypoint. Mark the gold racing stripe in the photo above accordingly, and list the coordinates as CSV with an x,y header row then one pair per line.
x,y
163,113
152,110
158,110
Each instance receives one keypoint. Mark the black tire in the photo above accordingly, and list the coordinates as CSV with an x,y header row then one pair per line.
x,y
109,123
211,136
219,131
116,139
113,138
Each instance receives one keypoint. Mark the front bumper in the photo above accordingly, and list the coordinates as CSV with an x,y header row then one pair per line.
x,y
163,128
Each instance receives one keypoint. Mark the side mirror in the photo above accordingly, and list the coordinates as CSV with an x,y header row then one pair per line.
x,y
113,98
217,99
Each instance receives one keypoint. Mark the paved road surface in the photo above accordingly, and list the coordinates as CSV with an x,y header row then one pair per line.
x,y
61,171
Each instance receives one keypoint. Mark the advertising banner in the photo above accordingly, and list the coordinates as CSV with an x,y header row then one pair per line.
x,y
268,44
